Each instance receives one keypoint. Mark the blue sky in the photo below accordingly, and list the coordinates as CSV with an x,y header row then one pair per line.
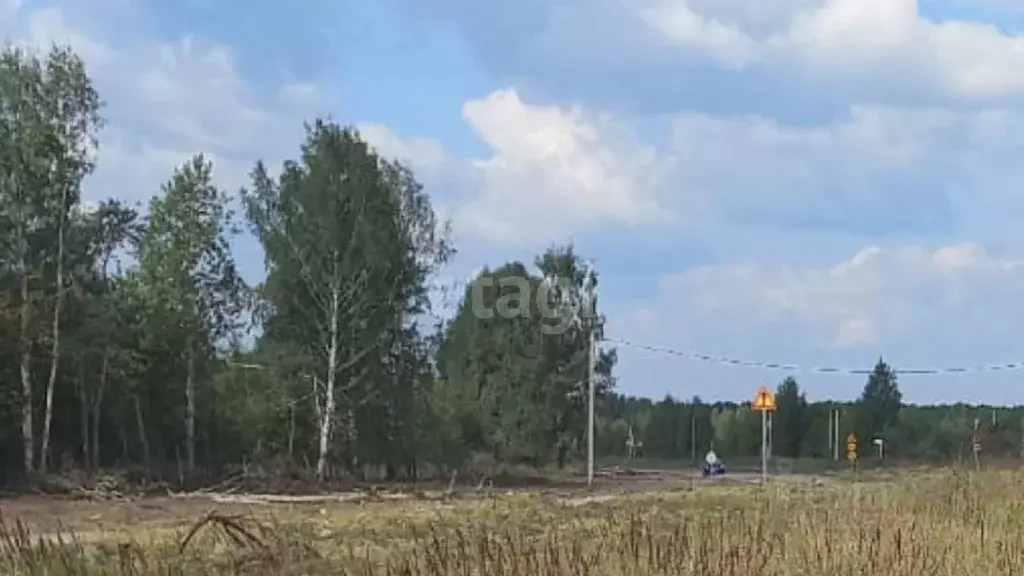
x,y
811,182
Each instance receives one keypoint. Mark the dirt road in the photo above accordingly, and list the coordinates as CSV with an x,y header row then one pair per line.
x,y
52,514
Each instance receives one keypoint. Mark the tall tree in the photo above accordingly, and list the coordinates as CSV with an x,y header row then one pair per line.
x,y
667,434
404,368
568,304
99,234
737,430
792,420
187,276
517,355
49,116
699,424
348,238
880,402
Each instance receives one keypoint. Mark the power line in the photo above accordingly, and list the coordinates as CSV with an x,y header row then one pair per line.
x,y
1004,367
734,362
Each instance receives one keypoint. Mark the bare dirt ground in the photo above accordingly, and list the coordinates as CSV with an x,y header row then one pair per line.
x,y
54,514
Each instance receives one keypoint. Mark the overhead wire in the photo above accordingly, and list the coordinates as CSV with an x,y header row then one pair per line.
x,y
787,367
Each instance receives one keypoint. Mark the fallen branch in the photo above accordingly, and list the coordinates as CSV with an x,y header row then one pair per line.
x,y
283,498
347,498
231,527
218,488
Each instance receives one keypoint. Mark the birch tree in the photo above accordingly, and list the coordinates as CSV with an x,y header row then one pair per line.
x,y
335,229
73,120
187,275
103,317
49,116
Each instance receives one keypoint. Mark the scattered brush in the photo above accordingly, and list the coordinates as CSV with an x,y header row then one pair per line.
x,y
256,547
967,524
229,525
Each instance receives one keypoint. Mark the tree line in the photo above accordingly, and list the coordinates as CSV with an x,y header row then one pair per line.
x,y
129,340
126,332
672,429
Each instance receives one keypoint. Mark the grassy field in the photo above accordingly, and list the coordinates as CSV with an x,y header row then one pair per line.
x,y
935,523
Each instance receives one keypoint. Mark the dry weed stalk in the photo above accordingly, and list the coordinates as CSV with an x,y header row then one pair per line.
x,y
230,527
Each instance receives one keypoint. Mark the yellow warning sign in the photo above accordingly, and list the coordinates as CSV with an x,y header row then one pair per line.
x,y
764,400
851,447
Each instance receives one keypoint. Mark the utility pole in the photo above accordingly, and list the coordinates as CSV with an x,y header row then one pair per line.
x,y
693,443
976,443
693,435
591,353
831,430
764,402
764,447
838,434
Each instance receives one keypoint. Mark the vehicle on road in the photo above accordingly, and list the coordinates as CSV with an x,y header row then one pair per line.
x,y
713,465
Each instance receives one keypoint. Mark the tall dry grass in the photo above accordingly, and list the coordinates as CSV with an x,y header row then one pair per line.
x,y
969,525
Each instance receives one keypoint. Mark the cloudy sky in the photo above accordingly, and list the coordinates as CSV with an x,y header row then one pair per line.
x,y
809,182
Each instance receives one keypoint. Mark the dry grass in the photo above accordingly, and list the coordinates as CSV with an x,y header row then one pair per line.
x,y
969,525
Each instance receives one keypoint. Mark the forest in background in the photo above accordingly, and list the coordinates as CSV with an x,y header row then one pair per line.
x,y
122,328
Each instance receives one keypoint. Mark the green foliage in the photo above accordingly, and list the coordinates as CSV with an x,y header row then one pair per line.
x,y
150,372
880,402
520,388
186,270
351,241
792,421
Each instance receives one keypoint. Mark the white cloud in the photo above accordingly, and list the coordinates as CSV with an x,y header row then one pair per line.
x,y
881,297
759,19
877,171
420,152
552,165
167,101
47,26
854,39
967,59
681,24
554,171
758,167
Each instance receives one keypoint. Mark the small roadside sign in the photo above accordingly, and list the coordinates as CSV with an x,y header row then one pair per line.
x,y
851,447
764,400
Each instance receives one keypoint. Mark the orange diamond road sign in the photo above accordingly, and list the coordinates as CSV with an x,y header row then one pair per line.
x,y
851,447
764,400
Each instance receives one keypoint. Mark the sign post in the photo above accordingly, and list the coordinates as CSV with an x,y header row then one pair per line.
x,y
851,449
976,448
764,402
